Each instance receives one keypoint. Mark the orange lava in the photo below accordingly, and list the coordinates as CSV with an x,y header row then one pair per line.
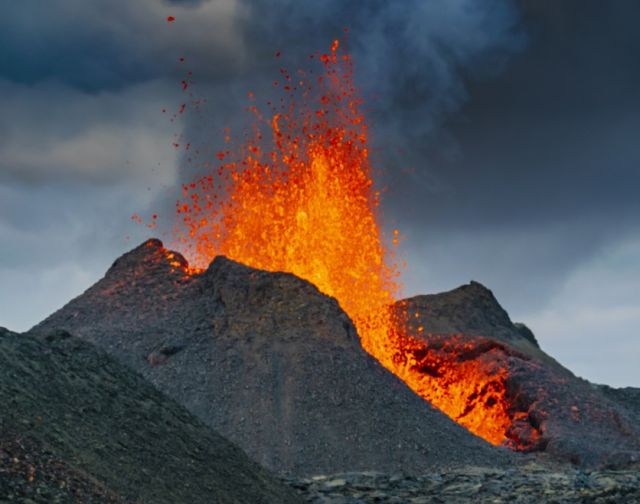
x,y
304,201
298,196
463,377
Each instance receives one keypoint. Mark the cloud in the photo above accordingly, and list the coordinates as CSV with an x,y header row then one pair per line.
x,y
411,57
57,239
112,44
591,324
524,266
50,133
82,86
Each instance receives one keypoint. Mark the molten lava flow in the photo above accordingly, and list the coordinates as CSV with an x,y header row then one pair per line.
x,y
464,377
301,199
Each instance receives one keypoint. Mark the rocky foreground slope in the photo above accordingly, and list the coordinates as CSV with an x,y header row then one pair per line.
x,y
270,363
77,426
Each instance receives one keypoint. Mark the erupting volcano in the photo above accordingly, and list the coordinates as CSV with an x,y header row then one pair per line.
x,y
298,196
258,336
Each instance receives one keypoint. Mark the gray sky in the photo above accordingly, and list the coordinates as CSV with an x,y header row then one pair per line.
x,y
505,131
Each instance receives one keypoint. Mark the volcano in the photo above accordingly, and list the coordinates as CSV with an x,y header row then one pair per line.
x,y
277,367
267,361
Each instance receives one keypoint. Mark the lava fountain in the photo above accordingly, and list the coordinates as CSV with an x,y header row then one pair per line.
x,y
298,196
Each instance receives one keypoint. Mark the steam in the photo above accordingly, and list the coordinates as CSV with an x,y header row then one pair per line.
x,y
411,56
411,61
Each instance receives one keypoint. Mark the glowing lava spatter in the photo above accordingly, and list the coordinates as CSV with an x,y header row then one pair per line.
x,y
298,196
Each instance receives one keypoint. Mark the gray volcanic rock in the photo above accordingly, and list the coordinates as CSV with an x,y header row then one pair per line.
x,y
269,362
474,311
77,426
552,410
531,483
627,397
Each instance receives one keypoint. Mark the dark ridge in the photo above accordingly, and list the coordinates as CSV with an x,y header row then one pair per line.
x,y
471,309
526,333
77,426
